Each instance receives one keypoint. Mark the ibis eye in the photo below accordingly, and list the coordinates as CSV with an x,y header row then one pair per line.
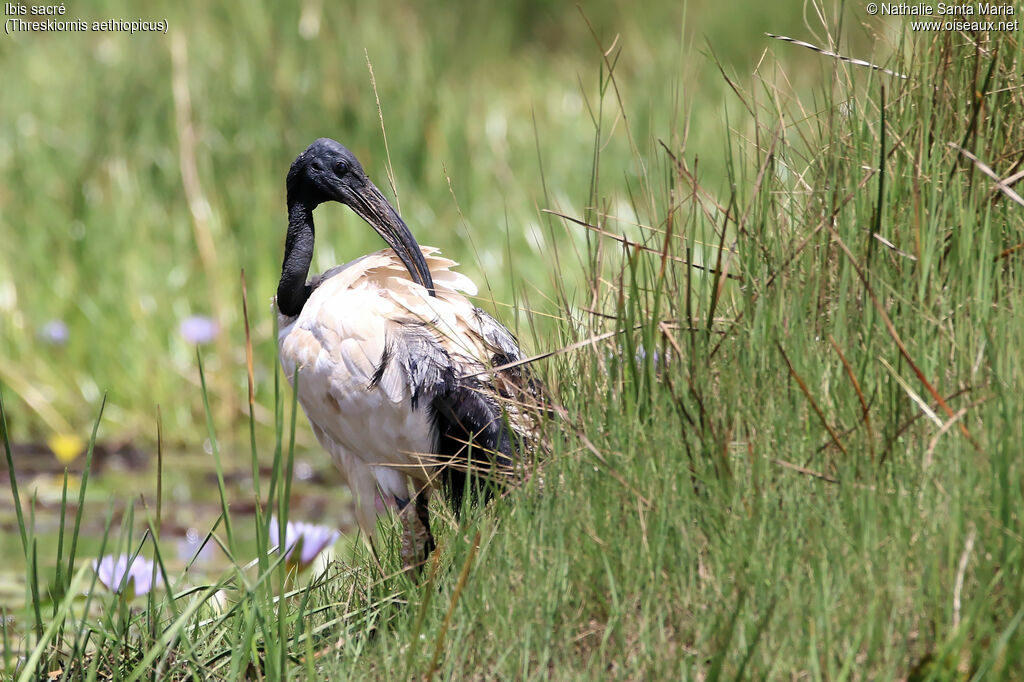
x,y
340,167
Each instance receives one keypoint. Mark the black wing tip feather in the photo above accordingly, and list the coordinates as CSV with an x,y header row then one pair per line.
x,y
476,445
385,360
478,450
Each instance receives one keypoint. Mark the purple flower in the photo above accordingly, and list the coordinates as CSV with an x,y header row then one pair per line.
x,y
198,329
54,332
302,540
657,358
116,574
191,549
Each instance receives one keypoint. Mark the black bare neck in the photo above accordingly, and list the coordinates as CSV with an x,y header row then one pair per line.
x,y
292,290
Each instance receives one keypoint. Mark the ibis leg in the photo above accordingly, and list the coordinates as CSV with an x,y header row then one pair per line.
x,y
417,540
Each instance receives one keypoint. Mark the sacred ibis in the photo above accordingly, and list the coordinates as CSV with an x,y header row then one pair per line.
x,y
395,367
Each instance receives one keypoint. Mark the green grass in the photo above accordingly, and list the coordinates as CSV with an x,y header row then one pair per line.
x,y
816,476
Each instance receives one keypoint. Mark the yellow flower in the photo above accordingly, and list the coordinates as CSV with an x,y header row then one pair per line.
x,y
65,446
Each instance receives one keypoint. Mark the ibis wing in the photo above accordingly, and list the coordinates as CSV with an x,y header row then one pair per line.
x,y
482,418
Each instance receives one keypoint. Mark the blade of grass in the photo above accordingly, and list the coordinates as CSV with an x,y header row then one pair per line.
x,y
215,448
83,485
463,577
13,477
29,672
170,634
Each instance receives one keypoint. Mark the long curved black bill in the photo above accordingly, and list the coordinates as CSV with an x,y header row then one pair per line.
x,y
371,205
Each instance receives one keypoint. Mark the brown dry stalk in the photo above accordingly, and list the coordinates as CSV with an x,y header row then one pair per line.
x,y
384,132
805,471
896,337
961,571
551,353
810,399
835,55
929,454
1001,184
860,395
1006,252
697,191
637,245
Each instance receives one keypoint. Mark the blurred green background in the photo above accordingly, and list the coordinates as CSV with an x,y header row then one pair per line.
x,y
141,173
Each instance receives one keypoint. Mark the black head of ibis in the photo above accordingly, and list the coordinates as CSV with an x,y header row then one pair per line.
x,y
327,171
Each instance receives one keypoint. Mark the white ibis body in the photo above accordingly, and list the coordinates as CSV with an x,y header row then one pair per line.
x,y
391,358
